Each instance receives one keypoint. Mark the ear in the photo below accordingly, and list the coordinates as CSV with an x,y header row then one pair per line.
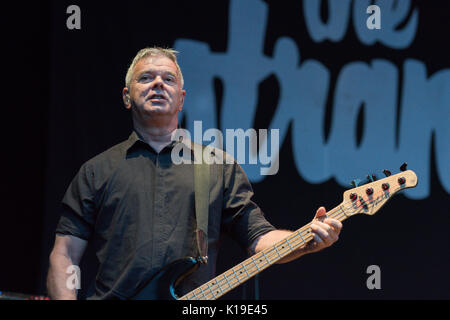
x,y
183,95
126,98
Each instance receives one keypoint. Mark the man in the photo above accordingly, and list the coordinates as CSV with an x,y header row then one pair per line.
x,y
137,207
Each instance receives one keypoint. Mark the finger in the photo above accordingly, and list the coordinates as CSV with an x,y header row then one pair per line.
x,y
332,226
318,241
336,224
327,233
315,244
333,230
320,231
324,226
321,213
336,227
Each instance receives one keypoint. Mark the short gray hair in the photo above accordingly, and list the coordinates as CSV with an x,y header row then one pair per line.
x,y
152,52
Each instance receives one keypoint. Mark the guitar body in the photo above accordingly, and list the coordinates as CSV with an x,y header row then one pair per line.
x,y
162,285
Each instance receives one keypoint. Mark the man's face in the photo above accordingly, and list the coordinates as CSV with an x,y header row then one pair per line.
x,y
155,89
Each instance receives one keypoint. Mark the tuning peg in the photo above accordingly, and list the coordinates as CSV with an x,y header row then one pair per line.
x,y
387,173
355,182
371,177
403,166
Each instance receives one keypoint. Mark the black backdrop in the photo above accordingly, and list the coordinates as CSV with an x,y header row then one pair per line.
x,y
63,106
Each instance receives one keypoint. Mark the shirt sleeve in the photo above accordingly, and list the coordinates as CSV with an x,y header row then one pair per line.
x,y
78,206
241,217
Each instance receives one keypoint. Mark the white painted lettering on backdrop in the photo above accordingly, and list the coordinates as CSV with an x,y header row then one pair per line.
x,y
304,88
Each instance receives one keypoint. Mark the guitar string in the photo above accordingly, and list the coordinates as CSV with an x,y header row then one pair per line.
x,y
338,213
202,291
252,268
273,251
249,266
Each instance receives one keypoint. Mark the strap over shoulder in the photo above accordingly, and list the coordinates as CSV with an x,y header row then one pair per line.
x,y
202,180
204,176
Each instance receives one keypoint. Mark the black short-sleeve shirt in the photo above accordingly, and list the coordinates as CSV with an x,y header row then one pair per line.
x,y
136,207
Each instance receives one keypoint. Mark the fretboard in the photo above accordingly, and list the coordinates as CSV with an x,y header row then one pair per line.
x,y
250,267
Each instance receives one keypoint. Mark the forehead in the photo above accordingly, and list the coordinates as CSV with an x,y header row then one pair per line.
x,y
155,63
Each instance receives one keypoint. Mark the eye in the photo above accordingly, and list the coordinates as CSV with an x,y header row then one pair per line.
x,y
170,79
145,78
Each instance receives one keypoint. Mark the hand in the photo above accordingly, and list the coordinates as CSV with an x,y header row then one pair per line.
x,y
326,231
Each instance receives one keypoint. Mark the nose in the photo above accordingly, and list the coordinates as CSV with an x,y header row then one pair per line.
x,y
157,82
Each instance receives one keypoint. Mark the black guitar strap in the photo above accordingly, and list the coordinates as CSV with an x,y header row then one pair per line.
x,y
202,181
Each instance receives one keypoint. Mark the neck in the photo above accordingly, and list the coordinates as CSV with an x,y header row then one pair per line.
x,y
156,136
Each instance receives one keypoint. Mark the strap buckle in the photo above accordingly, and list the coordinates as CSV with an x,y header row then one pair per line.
x,y
202,259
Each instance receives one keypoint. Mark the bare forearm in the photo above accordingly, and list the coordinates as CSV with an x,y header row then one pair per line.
x,y
325,232
271,238
57,278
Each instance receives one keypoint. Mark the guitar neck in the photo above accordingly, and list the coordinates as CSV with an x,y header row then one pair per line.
x,y
250,267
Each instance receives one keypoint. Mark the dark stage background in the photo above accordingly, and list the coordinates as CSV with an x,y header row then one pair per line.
x,y
63,106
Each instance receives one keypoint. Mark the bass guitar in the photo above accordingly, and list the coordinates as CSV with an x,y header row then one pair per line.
x,y
366,199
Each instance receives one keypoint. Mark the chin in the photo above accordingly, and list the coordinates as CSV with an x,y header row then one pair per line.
x,y
151,110
156,108
158,112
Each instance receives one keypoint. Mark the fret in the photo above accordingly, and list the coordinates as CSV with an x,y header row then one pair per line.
x,y
202,292
187,298
308,236
194,294
287,241
255,263
243,265
343,211
236,275
219,285
276,249
226,279
284,250
303,240
212,291
264,254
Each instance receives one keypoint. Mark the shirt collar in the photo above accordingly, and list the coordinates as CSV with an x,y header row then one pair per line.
x,y
135,138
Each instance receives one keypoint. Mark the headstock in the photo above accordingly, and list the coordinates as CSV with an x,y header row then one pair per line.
x,y
369,198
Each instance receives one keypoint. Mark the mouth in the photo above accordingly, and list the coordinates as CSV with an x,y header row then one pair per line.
x,y
157,97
